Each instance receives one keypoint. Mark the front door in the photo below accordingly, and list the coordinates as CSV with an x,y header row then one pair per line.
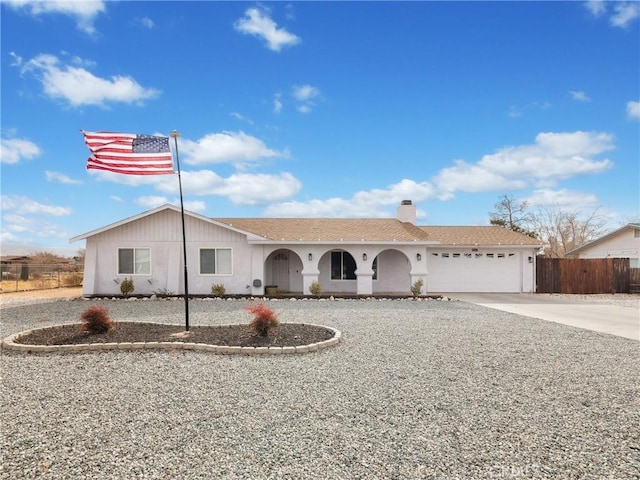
x,y
281,271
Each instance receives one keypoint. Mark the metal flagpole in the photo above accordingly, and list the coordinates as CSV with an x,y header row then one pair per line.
x,y
175,136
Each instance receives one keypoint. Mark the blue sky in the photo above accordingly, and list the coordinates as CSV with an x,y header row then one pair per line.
x,y
319,109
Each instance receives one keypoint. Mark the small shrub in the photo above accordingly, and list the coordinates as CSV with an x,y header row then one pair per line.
x,y
264,319
72,279
416,288
218,290
96,320
126,286
315,288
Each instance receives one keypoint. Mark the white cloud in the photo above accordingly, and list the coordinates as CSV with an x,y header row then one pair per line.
x,y
232,147
625,13
241,117
153,201
633,110
84,12
277,103
61,178
14,150
24,205
553,157
23,229
259,24
146,22
364,204
579,96
563,198
516,111
77,86
17,59
240,188
596,7
306,96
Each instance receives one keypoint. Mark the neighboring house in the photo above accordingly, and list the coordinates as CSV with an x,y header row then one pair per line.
x,y
346,256
621,243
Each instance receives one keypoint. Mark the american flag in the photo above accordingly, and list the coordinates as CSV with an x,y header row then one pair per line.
x,y
129,153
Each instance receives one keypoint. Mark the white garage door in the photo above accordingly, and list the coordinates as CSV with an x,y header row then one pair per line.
x,y
494,271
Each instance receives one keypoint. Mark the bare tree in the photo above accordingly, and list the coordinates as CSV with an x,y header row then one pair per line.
x,y
564,230
512,215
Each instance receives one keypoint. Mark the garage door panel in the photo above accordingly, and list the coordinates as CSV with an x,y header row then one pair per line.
x,y
473,272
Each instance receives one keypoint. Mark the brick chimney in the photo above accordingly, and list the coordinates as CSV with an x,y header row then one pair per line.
x,y
407,212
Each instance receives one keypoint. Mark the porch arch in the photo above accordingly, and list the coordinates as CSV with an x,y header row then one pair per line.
x,y
392,275
283,269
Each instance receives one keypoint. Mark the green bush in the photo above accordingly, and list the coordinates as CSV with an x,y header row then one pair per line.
x,y
315,288
416,288
218,290
126,286
264,319
96,319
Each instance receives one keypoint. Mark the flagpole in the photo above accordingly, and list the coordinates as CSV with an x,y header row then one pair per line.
x,y
174,134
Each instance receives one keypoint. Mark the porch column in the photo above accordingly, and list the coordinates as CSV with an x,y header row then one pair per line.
x,y
364,282
308,277
415,276
257,269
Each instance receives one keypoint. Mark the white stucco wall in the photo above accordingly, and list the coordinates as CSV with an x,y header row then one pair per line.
x,y
162,234
623,245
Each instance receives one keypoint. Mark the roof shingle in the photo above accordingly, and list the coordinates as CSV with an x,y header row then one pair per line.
x,y
374,230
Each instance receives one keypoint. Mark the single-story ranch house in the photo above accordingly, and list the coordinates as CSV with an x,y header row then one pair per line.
x,y
346,256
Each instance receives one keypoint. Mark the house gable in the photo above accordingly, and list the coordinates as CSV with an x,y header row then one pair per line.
x,y
621,243
162,223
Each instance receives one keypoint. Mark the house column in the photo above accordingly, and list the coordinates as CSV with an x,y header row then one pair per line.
x,y
308,277
364,282
257,270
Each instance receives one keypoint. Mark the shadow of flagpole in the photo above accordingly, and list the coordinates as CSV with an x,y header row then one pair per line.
x,y
174,134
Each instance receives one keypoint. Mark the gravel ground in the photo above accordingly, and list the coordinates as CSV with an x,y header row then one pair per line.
x,y
415,390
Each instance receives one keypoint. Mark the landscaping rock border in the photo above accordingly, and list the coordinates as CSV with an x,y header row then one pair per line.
x,y
9,343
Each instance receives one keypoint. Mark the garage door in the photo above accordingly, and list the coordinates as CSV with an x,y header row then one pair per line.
x,y
494,271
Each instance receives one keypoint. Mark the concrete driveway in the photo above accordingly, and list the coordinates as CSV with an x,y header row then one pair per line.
x,y
579,311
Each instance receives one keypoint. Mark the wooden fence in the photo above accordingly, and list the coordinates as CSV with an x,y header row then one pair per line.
x,y
581,275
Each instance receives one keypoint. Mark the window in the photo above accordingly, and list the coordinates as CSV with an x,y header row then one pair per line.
x,y
134,261
343,266
375,268
215,261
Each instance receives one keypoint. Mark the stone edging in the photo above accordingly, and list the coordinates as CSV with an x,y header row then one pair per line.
x,y
9,343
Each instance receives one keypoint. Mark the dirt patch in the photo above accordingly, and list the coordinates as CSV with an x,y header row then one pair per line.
x,y
62,292
286,335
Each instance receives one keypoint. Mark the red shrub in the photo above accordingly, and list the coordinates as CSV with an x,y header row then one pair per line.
x,y
96,320
264,319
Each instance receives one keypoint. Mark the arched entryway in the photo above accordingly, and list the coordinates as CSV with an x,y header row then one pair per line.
x,y
283,270
392,273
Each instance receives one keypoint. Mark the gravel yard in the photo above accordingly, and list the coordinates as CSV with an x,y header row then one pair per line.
x,y
415,390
